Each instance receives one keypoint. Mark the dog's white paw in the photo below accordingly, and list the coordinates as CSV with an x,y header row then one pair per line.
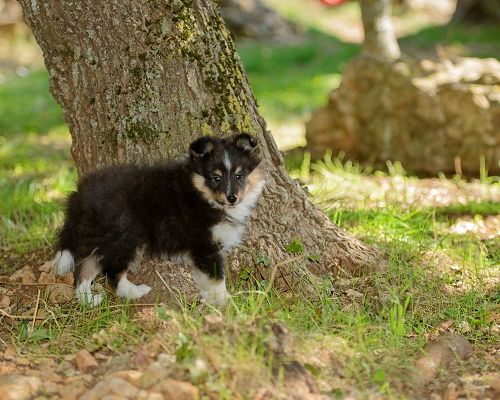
x,y
90,299
213,291
217,298
131,291
143,290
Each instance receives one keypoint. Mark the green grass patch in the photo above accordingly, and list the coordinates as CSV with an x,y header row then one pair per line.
x,y
468,40
36,171
292,80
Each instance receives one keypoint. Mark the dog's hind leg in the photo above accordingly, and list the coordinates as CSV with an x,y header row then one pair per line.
x,y
85,273
117,275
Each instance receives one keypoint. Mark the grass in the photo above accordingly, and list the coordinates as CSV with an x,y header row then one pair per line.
x,y
347,332
35,169
294,79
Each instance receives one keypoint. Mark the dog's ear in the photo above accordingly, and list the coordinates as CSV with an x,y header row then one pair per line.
x,y
245,142
202,147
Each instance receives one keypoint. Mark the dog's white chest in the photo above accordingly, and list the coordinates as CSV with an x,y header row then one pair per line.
x,y
228,234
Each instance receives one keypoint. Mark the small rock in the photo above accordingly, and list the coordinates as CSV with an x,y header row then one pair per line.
x,y
464,327
51,387
118,362
440,353
112,397
111,386
60,293
16,387
85,361
145,395
73,391
66,279
46,267
25,275
214,322
166,359
4,301
142,358
177,390
48,375
152,374
154,396
9,353
280,341
354,293
47,277
7,368
23,361
131,375
451,392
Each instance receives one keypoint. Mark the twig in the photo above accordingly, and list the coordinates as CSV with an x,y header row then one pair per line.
x,y
168,288
51,313
165,283
34,284
35,313
18,316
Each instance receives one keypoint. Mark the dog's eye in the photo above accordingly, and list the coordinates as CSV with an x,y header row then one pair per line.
x,y
239,177
216,178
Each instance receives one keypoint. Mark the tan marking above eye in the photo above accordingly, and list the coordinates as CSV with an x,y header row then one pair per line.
x,y
238,170
218,172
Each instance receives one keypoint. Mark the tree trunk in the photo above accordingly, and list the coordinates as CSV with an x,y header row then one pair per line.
x,y
138,80
477,11
379,35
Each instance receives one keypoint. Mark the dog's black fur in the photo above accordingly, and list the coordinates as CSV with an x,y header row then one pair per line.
x,y
167,209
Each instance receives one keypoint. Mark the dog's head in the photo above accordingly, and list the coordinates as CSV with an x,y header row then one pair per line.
x,y
226,169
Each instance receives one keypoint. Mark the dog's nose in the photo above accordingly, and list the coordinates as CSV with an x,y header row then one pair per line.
x,y
231,198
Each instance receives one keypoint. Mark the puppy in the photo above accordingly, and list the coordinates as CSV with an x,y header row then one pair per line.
x,y
195,208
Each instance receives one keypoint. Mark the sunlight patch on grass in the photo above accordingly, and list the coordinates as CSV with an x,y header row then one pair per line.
x,y
36,171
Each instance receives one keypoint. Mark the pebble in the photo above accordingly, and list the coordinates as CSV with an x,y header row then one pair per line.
x,y
354,293
132,376
16,387
111,386
59,293
213,322
9,353
23,361
152,374
4,301
72,392
85,362
25,275
46,267
47,277
176,390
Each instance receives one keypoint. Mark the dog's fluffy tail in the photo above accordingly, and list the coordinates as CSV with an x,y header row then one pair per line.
x,y
63,262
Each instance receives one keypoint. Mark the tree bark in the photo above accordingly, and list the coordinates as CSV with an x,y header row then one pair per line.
x,y
138,80
477,11
380,40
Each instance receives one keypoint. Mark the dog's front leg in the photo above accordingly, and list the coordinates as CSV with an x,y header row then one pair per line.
x,y
208,274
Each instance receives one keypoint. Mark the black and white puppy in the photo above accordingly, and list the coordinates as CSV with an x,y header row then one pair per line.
x,y
195,208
